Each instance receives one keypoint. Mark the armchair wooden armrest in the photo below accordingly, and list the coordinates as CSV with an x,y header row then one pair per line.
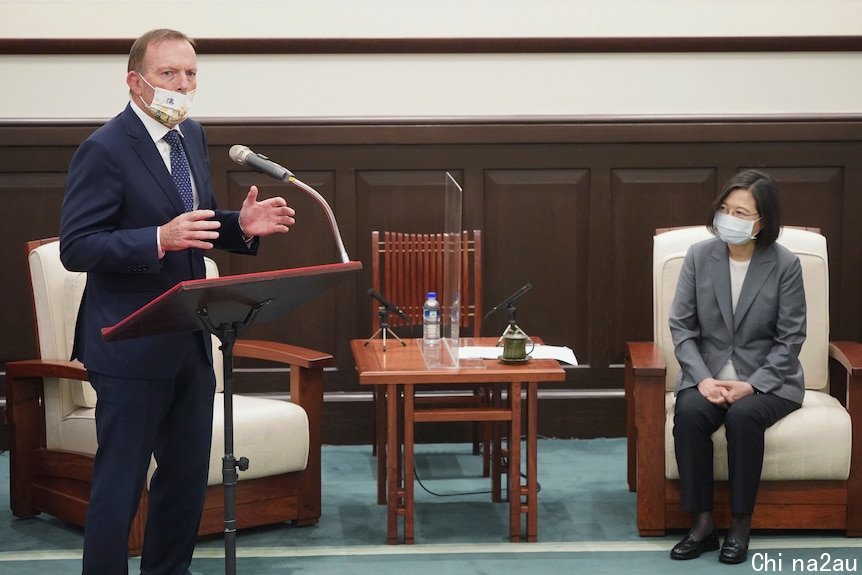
x,y
845,383
645,372
845,374
38,368
643,360
282,353
849,355
306,373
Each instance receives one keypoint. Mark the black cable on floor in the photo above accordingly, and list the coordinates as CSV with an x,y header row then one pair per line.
x,y
503,462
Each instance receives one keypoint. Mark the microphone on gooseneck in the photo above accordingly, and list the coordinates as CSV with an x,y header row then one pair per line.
x,y
259,163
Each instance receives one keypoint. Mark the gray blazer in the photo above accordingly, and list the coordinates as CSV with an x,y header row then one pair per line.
x,y
762,339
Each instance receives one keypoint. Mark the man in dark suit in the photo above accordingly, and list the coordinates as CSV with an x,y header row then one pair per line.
x,y
138,215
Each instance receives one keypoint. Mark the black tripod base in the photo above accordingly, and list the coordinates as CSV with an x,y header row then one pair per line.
x,y
383,331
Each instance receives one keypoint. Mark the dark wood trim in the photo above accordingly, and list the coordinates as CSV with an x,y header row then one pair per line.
x,y
643,44
477,130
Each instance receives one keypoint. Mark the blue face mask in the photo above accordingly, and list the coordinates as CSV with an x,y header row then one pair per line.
x,y
733,230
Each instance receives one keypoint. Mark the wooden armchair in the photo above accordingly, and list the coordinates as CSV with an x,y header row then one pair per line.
x,y
51,408
812,473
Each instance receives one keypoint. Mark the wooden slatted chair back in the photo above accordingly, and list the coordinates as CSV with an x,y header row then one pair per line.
x,y
406,266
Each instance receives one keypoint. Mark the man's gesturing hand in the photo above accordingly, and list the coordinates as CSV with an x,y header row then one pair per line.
x,y
189,230
265,217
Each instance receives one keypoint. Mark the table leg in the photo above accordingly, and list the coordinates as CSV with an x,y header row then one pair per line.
x,y
408,463
381,432
515,463
532,462
487,431
496,449
393,479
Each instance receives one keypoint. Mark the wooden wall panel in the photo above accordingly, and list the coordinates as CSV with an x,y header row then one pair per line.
x,y
567,205
811,197
643,200
30,204
536,231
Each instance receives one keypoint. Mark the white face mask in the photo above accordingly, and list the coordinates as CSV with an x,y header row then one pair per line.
x,y
733,230
169,108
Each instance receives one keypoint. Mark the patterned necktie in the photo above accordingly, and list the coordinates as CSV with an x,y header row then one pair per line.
x,y
180,169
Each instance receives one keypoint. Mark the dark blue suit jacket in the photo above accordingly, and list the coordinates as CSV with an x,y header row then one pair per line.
x,y
117,192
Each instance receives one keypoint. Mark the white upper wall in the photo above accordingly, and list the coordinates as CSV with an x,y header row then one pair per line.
x,y
428,18
387,85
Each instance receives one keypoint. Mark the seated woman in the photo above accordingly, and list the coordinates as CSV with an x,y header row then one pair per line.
x,y
738,324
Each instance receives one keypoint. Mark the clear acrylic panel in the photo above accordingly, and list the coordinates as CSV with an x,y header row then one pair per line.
x,y
451,302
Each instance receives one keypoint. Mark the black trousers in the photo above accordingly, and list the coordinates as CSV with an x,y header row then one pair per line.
x,y
696,419
136,418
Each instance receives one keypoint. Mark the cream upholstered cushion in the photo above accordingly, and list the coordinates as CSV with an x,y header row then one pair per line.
x,y
272,434
810,443
69,410
83,394
805,445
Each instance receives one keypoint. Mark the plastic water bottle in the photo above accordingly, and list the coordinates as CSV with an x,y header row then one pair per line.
x,y
431,320
431,330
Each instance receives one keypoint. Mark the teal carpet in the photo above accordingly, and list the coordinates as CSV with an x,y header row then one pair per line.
x,y
586,525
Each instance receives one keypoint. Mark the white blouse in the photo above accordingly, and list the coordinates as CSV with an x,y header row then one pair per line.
x,y
737,277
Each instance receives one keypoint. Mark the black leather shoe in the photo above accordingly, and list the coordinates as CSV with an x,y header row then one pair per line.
x,y
690,547
734,550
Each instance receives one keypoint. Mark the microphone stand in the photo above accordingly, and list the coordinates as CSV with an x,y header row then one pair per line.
x,y
227,334
383,313
386,306
509,304
512,327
